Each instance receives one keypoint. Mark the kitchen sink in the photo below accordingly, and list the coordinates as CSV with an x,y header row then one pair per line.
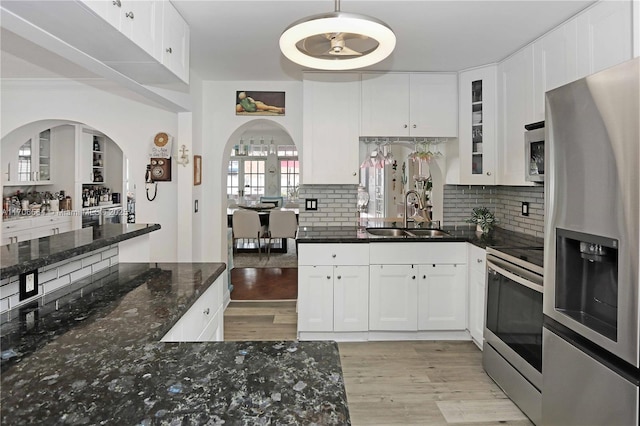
x,y
427,233
413,232
388,232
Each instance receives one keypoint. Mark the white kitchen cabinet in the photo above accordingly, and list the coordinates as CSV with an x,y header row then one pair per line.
x,y
604,34
477,126
204,321
392,292
17,230
555,62
331,125
32,163
409,104
442,297
409,293
333,288
515,109
477,279
136,19
174,49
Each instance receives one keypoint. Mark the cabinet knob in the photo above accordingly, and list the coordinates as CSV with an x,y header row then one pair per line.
x,y
414,126
333,255
206,311
353,174
488,173
424,277
328,277
339,277
129,15
117,3
479,260
413,277
169,50
405,126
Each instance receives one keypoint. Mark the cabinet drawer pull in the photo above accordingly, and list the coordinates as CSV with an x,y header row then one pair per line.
x,y
129,15
206,311
169,50
413,277
405,126
339,277
424,277
479,260
117,3
328,277
333,255
414,126
488,173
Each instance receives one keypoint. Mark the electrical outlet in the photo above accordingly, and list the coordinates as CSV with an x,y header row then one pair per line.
x,y
311,204
195,206
525,208
28,284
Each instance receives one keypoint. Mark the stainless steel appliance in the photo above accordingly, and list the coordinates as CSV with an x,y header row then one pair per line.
x,y
512,355
592,238
534,152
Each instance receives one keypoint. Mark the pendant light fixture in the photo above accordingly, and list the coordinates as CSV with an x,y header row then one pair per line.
x,y
337,41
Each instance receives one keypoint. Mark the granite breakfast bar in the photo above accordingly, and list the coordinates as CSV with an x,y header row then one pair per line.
x,y
91,353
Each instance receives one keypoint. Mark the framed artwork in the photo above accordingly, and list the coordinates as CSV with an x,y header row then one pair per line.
x,y
259,103
197,170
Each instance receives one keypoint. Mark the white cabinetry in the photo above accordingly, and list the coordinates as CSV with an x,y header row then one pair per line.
x,y
409,104
204,321
442,295
331,124
333,284
92,158
174,52
515,109
477,278
604,36
477,128
14,231
417,287
31,164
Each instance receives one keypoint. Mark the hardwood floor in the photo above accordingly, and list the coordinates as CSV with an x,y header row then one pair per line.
x,y
394,383
264,283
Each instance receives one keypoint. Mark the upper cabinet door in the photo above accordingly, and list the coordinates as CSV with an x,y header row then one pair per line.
x,y
175,42
385,104
604,36
555,63
515,109
139,23
433,105
331,121
110,11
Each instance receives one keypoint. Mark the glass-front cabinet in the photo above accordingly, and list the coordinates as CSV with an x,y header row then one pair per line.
x,y
34,160
477,132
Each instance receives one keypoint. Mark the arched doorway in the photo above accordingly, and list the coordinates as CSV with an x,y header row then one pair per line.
x,y
261,160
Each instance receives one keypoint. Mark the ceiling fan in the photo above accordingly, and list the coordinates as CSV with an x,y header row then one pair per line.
x,y
337,40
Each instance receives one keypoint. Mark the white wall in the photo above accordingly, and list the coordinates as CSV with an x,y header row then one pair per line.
x,y
131,124
221,128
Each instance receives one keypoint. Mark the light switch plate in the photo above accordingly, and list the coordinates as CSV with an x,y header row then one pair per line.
x,y
525,208
311,204
28,284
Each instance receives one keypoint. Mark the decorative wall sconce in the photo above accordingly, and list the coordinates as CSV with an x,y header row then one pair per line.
x,y
183,158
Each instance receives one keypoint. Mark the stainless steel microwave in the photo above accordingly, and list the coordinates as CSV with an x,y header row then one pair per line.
x,y
534,152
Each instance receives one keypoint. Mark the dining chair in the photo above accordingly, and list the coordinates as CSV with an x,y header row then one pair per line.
x,y
282,224
246,224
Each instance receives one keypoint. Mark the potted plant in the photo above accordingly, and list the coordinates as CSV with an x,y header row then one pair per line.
x,y
483,219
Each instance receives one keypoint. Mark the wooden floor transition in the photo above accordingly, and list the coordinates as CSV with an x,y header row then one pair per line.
x,y
394,383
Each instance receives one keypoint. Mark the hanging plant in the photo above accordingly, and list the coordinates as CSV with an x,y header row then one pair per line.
x,y
483,218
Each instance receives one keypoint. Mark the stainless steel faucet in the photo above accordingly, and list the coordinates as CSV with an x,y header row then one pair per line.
x,y
406,197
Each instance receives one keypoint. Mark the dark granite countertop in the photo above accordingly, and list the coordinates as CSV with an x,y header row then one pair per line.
x,y
497,237
93,356
25,256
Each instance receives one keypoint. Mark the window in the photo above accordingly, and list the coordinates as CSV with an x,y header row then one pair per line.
x,y
247,174
24,162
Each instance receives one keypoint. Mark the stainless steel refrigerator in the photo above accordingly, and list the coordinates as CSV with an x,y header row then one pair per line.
x,y
590,367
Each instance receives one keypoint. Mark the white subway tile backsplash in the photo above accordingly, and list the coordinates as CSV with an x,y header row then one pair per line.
x,y
78,275
112,251
4,305
90,260
100,265
9,289
56,284
14,300
69,267
49,275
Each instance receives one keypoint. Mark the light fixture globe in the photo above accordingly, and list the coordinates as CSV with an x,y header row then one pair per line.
x,y
337,41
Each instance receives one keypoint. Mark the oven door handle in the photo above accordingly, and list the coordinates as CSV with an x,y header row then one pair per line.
x,y
520,280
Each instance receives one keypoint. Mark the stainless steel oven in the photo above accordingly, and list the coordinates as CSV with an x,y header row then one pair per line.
x,y
513,326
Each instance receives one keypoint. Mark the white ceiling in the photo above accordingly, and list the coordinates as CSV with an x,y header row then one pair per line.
x,y
238,39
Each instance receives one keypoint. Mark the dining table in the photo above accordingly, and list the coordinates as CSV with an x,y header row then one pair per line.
x,y
263,212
